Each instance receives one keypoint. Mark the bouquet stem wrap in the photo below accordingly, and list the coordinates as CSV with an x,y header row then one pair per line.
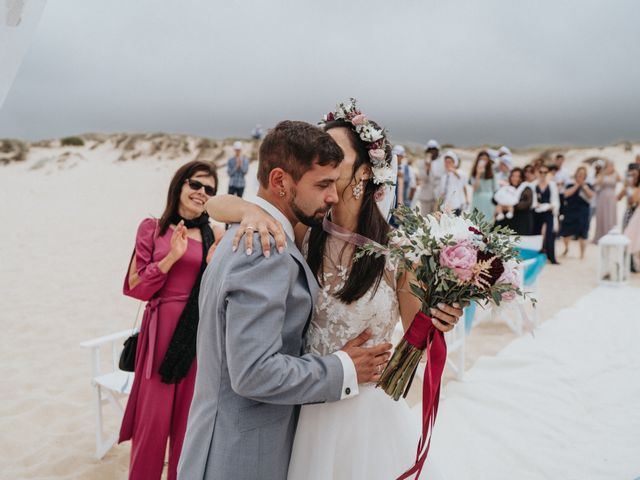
x,y
399,373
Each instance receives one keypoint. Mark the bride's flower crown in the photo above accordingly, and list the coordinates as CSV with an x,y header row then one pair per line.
x,y
374,139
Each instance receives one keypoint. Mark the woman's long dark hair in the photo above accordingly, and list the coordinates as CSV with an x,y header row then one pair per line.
x,y
488,167
175,188
368,270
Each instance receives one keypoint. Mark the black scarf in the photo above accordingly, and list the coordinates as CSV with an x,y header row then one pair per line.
x,y
182,349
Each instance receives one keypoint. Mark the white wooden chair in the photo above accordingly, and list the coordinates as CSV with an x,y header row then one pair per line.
x,y
110,386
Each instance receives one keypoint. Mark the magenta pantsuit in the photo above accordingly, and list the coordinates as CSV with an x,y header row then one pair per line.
x,y
157,411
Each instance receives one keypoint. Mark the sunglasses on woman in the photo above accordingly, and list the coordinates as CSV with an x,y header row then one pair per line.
x,y
196,185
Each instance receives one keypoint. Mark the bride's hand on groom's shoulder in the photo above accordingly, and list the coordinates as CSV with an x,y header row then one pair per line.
x,y
369,361
258,221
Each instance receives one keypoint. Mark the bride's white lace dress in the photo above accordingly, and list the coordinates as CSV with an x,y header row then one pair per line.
x,y
369,436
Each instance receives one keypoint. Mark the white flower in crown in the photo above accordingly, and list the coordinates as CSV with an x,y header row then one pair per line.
x,y
369,133
383,175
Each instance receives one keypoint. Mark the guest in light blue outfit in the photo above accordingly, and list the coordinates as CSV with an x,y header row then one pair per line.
x,y
483,183
237,168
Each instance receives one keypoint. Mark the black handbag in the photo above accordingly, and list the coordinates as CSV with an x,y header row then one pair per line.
x,y
128,355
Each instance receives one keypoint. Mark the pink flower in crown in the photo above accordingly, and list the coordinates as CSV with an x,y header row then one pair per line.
x,y
461,258
377,154
359,119
379,194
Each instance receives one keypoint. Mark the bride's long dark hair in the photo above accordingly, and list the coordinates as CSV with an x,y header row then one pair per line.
x,y
368,270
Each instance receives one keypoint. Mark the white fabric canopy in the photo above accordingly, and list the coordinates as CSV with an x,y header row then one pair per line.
x,y
18,22
563,405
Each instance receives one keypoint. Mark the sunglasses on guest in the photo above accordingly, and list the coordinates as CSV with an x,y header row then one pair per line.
x,y
196,185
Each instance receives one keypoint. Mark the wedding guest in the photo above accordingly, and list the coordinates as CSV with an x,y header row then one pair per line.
x,y
505,164
561,176
631,192
606,217
483,183
519,216
430,171
598,165
496,156
545,212
452,185
576,211
165,270
398,151
530,181
407,174
237,168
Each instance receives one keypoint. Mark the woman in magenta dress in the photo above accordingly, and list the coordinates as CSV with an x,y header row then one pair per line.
x,y
165,270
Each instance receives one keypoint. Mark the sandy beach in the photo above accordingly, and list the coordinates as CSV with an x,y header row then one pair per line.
x,y
69,217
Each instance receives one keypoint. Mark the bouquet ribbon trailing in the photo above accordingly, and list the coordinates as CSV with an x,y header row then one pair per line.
x,y
422,335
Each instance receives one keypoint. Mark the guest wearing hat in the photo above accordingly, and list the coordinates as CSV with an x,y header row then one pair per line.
x,y
237,168
504,150
452,185
406,176
430,172
505,164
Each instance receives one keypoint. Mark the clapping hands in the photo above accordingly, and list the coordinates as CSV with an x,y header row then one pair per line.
x,y
179,241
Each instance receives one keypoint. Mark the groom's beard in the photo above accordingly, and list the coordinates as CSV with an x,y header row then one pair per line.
x,y
314,220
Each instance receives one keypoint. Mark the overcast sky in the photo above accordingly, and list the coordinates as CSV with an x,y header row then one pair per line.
x,y
463,72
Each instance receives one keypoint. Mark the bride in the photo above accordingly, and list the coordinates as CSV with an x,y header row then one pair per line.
x,y
370,436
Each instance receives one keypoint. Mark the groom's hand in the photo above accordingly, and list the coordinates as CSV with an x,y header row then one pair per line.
x,y
369,361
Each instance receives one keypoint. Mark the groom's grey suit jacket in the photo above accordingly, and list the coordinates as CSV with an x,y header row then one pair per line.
x,y
251,373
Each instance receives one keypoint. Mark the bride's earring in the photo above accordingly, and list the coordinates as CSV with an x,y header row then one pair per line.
x,y
282,193
358,188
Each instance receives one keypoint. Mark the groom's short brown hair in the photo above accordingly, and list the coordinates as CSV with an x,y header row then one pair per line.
x,y
295,146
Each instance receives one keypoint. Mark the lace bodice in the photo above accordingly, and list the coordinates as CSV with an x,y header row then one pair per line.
x,y
333,322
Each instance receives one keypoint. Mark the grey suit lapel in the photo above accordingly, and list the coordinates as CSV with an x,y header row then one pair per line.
x,y
311,279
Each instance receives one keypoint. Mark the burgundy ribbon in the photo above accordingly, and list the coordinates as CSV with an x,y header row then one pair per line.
x,y
423,335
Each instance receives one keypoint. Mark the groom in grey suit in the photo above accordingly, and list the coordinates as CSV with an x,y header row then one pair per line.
x,y
254,312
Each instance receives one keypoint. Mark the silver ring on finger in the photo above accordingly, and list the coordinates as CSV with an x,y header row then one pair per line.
x,y
250,228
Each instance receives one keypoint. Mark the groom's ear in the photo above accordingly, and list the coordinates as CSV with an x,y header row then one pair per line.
x,y
279,180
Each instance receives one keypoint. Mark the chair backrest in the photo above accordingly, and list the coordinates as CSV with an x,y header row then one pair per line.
x,y
114,341
528,242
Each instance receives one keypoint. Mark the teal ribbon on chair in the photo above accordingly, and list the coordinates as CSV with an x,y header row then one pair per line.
x,y
532,271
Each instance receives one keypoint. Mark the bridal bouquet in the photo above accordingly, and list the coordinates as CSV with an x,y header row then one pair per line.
x,y
455,259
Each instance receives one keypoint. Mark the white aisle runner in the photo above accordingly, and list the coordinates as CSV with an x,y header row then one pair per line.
x,y
563,405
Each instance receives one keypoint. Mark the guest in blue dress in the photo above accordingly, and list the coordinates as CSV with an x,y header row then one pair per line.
x,y
575,223
484,185
548,203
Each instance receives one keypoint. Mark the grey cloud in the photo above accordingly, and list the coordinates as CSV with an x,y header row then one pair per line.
x,y
465,72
